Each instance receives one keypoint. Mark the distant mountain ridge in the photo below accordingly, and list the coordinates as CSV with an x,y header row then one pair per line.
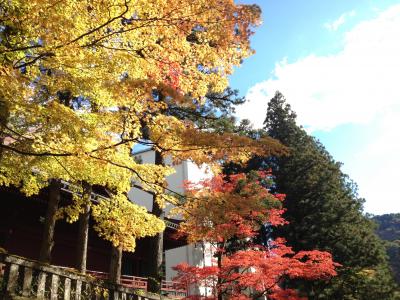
x,y
389,231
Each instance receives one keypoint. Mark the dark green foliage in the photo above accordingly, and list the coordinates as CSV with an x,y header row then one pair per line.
x,y
389,230
388,226
214,113
324,212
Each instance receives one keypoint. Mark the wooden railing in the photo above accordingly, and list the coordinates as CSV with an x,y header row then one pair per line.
x,y
23,277
134,282
126,280
169,288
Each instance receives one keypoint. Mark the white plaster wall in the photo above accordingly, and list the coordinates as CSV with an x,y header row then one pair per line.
x,y
195,173
199,255
195,255
185,171
136,195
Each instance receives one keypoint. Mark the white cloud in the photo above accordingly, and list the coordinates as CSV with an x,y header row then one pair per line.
x,y
333,26
352,86
376,166
359,85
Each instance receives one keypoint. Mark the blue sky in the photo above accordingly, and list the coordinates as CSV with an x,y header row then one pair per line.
x,y
338,64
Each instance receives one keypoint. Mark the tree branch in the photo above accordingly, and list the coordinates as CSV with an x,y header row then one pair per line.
x,y
100,26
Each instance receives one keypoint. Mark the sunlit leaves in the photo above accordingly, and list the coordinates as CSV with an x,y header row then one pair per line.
x,y
121,222
224,211
78,89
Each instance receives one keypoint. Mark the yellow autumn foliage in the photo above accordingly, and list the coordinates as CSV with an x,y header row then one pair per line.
x,y
77,81
77,92
121,222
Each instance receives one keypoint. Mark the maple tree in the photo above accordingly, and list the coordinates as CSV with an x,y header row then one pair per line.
x,y
229,213
78,96
83,82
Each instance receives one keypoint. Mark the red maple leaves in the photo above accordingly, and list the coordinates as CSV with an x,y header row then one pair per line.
x,y
230,211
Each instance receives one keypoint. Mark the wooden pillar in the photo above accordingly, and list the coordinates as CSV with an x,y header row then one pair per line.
x,y
50,221
83,231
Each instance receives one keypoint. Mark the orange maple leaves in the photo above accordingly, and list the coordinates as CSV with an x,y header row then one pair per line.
x,y
221,208
224,210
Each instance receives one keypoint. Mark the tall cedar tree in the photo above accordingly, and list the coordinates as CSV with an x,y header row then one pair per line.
x,y
323,211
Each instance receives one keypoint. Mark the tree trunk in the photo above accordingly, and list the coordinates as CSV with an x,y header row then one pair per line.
x,y
4,115
156,243
50,221
115,265
83,231
219,261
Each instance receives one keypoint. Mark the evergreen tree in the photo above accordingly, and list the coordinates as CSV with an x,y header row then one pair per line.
x,y
389,231
324,211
